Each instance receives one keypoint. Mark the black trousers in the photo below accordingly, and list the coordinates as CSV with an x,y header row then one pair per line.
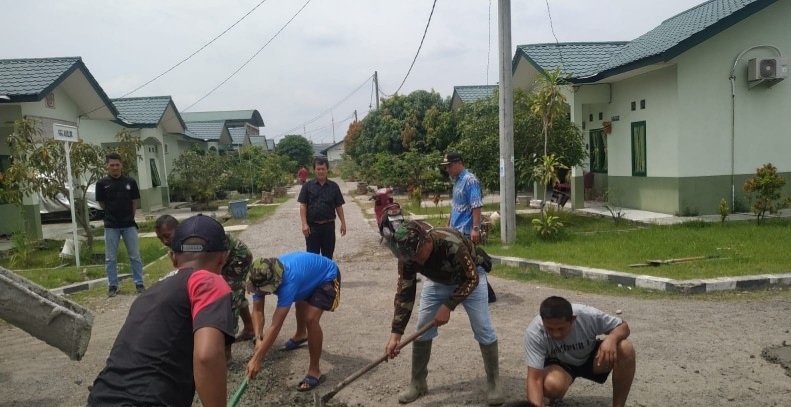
x,y
322,239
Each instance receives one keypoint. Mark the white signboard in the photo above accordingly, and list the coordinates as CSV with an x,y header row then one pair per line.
x,y
63,132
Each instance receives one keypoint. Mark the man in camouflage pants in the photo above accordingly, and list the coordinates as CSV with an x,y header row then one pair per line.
x,y
234,272
453,276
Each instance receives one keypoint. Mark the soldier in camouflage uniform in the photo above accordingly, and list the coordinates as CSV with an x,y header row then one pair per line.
x,y
234,272
453,276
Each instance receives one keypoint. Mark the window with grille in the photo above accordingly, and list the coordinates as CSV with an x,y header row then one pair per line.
x,y
598,151
155,181
638,149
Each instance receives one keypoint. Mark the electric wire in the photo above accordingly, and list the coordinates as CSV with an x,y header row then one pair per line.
x,y
188,57
552,27
251,58
197,51
324,113
418,48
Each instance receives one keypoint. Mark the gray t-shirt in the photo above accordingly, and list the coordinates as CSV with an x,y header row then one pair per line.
x,y
575,349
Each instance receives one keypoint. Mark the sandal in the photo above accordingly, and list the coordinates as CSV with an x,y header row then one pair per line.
x,y
311,383
292,344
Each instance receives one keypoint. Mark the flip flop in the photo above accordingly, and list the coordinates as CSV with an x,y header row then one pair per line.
x,y
291,344
311,381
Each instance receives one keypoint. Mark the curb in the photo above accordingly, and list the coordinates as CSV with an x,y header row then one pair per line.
x,y
650,282
86,285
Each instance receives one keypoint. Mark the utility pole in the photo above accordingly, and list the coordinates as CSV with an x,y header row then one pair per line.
x,y
332,115
376,84
355,114
507,181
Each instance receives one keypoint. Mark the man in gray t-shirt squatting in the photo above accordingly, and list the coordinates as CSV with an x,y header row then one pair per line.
x,y
561,345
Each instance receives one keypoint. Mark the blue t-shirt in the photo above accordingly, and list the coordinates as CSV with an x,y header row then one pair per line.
x,y
466,197
303,273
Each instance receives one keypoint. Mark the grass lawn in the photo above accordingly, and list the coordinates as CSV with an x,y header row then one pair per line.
x,y
744,248
254,214
41,271
441,210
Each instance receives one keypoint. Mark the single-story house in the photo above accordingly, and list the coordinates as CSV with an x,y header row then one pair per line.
x,y
214,134
156,120
334,152
51,90
678,118
469,94
239,137
259,141
318,148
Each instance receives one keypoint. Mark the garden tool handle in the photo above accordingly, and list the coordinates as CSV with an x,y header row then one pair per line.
x,y
238,394
354,376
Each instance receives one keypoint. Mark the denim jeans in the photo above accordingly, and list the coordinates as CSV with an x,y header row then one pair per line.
x,y
434,295
112,238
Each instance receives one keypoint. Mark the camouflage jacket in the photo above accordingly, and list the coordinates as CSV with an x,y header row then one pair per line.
x,y
452,262
240,259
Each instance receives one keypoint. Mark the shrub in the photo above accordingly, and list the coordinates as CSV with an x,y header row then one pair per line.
x,y
764,192
548,226
723,210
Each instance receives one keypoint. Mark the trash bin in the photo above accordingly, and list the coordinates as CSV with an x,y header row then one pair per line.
x,y
238,208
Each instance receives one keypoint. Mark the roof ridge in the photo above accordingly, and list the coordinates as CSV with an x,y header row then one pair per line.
x,y
575,43
686,11
41,59
143,97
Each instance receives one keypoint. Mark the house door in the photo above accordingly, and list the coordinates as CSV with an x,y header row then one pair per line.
x,y
598,151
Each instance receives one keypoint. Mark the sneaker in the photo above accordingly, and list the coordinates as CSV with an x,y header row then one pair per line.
x,y
112,291
140,288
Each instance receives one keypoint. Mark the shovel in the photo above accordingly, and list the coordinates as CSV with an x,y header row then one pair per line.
x,y
237,395
321,401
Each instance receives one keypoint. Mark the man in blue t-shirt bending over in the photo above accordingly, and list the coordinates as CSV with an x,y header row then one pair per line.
x,y
561,345
311,282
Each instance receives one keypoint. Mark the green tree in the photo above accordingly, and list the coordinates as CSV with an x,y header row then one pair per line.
x,y
296,148
548,101
198,176
275,171
39,166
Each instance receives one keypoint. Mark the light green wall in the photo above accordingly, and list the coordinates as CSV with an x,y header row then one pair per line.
x,y
524,75
100,131
150,198
65,108
763,125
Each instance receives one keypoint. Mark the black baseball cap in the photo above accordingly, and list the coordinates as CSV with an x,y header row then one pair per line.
x,y
451,157
202,227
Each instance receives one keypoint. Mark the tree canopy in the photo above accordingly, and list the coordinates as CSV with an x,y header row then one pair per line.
x,y
296,148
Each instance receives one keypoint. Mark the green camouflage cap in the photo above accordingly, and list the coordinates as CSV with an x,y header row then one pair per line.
x,y
266,274
407,239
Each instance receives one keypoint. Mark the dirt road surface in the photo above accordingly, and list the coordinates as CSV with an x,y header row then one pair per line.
x,y
690,352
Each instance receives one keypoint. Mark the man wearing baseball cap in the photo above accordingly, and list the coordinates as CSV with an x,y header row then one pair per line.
x,y
453,277
173,341
310,281
466,203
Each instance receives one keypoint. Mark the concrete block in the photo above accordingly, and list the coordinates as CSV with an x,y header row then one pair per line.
x,y
44,315
652,283
719,284
780,279
550,267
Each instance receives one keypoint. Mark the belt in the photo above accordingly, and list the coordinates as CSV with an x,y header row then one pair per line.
x,y
321,222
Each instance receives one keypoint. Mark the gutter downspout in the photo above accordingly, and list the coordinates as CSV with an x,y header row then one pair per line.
x,y
732,78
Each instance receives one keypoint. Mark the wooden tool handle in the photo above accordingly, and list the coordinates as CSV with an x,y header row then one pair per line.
x,y
354,376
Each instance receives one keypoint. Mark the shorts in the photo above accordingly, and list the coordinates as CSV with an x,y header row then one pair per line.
x,y
585,370
327,295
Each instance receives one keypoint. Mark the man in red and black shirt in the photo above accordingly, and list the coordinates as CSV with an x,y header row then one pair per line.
x,y
173,340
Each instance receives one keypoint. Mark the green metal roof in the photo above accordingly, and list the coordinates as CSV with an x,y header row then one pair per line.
x,y
469,94
590,62
258,141
250,116
145,111
577,59
237,135
30,80
270,145
211,131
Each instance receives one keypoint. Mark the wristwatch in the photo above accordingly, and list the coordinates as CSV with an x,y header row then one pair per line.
x,y
476,228
257,338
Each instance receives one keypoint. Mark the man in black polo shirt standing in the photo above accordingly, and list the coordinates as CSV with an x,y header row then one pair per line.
x,y
117,194
320,199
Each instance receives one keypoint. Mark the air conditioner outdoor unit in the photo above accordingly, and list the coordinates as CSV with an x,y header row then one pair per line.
x,y
767,69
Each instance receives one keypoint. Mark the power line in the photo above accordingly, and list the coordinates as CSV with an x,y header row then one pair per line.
x,y
419,47
199,50
324,113
251,58
552,27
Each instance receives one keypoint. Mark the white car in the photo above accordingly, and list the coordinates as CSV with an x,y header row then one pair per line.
x,y
50,209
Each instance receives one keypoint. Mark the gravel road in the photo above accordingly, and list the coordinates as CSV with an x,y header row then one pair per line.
x,y
690,352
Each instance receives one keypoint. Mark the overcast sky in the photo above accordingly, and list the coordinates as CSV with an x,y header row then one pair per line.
x,y
331,48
